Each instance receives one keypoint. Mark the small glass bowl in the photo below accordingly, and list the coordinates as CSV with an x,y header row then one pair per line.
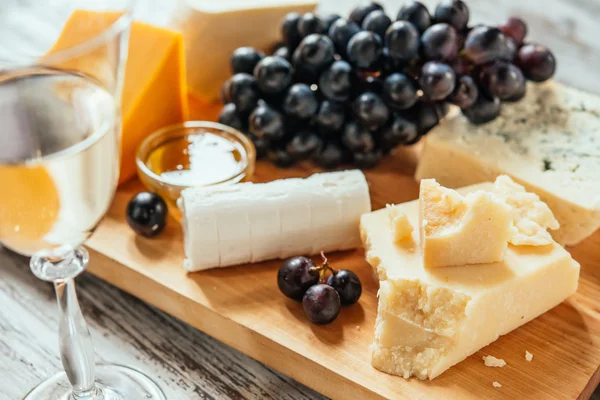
x,y
171,191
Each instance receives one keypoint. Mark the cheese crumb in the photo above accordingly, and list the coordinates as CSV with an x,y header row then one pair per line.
x,y
491,361
528,356
496,384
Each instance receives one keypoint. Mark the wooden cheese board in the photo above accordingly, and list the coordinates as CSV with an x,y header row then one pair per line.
x,y
242,307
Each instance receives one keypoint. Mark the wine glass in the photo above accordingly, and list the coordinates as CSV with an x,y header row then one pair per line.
x,y
61,72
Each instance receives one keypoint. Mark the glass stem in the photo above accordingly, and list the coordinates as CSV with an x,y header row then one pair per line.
x,y
76,347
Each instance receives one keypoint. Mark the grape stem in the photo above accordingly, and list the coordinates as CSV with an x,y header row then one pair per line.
x,y
322,270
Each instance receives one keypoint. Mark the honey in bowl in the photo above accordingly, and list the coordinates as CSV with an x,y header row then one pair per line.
x,y
200,159
193,154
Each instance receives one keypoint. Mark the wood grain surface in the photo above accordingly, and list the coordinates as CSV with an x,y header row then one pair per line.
x,y
187,363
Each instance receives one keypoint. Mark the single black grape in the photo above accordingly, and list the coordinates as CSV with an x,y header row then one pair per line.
x,y
231,117
304,144
314,53
453,12
283,52
262,145
370,110
309,23
485,109
465,92
377,22
280,157
437,80
367,160
537,62
321,304
329,20
330,117
439,42
357,139
340,33
289,30
502,79
266,122
359,13
147,214
295,277
402,41
485,44
243,92
244,59
364,49
273,74
514,28
331,156
300,101
417,14
335,82
401,130
348,286
399,91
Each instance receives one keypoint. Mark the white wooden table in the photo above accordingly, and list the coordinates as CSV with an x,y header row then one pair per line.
x,y
187,363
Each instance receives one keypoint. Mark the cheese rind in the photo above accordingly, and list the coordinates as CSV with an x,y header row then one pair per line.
x,y
230,225
547,142
457,230
431,319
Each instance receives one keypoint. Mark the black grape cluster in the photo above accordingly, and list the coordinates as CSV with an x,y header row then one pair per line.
x,y
351,90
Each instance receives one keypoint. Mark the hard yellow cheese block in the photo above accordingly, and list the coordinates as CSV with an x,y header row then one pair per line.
x,y
154,89
212,30
547,142
457,230
431,319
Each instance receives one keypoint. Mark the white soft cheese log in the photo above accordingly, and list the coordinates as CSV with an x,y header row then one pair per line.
x,y
248,222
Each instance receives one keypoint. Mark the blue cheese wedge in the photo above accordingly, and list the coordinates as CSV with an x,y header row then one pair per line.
x,y
246,223
549,142
429,319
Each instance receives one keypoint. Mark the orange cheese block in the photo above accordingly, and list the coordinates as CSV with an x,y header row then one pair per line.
x,y
154,89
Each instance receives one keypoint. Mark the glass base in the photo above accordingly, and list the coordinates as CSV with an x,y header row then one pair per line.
x,y
116,382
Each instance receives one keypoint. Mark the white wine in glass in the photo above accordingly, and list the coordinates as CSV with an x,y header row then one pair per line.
x,y
60,132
